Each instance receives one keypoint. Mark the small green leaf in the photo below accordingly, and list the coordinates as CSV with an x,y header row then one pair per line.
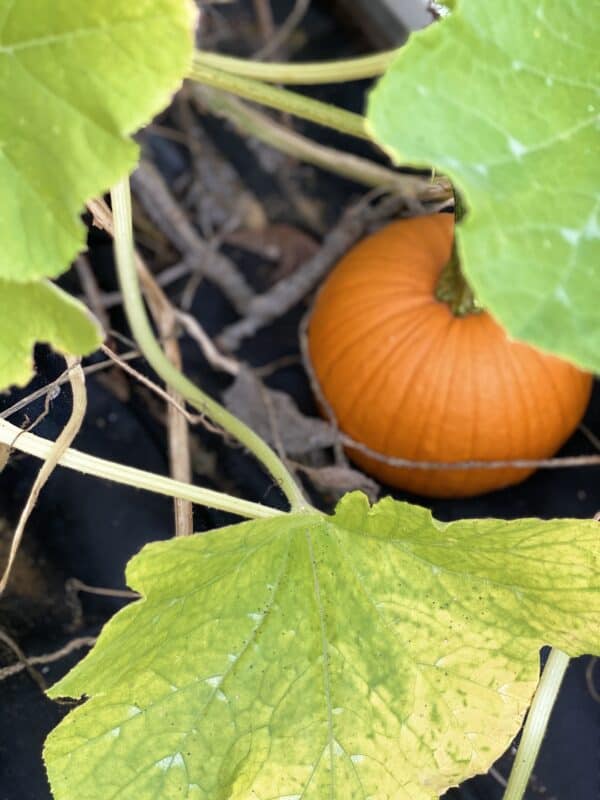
x,y
76,77
40,312
505,102
376,653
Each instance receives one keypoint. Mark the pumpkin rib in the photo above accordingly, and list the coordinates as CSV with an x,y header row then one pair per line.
x,y
445,335
351,306
402,348
348,315
522,401
361,337
369,389
409,335
507,401
337,356
419,451
420,363
552,382
400,281
473,395
453,334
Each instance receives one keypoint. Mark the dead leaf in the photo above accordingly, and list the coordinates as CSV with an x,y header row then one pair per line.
x,y
290,246
276,416
340,479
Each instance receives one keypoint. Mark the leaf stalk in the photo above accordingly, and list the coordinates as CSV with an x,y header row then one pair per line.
x,y
281,99
151,349
536,724
310,73
33,445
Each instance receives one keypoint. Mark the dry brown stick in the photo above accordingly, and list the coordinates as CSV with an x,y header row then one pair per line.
x,y
48,658
164,278
62,443
155,388
180,458
177,430
75,585
589,678
23,663
50,388
271,305
559,462
214,357
277,41
264,18
91,289
163,209
590,436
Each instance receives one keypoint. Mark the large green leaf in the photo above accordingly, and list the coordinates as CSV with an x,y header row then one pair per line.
x,y
40,312
504,100
377,653
76,76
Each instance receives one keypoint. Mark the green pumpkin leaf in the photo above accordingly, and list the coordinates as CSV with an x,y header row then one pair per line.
x,y
40,312
505,102
376,653
76,77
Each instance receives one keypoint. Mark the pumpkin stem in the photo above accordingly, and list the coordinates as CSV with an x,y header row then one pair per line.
x,y
452,287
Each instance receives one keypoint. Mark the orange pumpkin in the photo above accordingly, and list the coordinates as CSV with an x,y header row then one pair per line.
x,y
407,378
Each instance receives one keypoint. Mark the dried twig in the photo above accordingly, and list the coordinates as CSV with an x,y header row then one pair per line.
x,y
264,18
91,290
52,390
590,436
214,357
216,189
180,462
559,462
164,316
164,210
590,680
48,658
62,443
277,41
75,585
158,390
23,663
287,293
165,278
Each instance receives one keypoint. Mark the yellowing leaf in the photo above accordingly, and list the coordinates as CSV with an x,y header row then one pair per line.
x,y
373,654
40,312
76,77
504,100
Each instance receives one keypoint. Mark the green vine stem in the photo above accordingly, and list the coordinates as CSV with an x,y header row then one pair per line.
x,y
281,99
254,123
536,724
17,439
151,349
350,69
